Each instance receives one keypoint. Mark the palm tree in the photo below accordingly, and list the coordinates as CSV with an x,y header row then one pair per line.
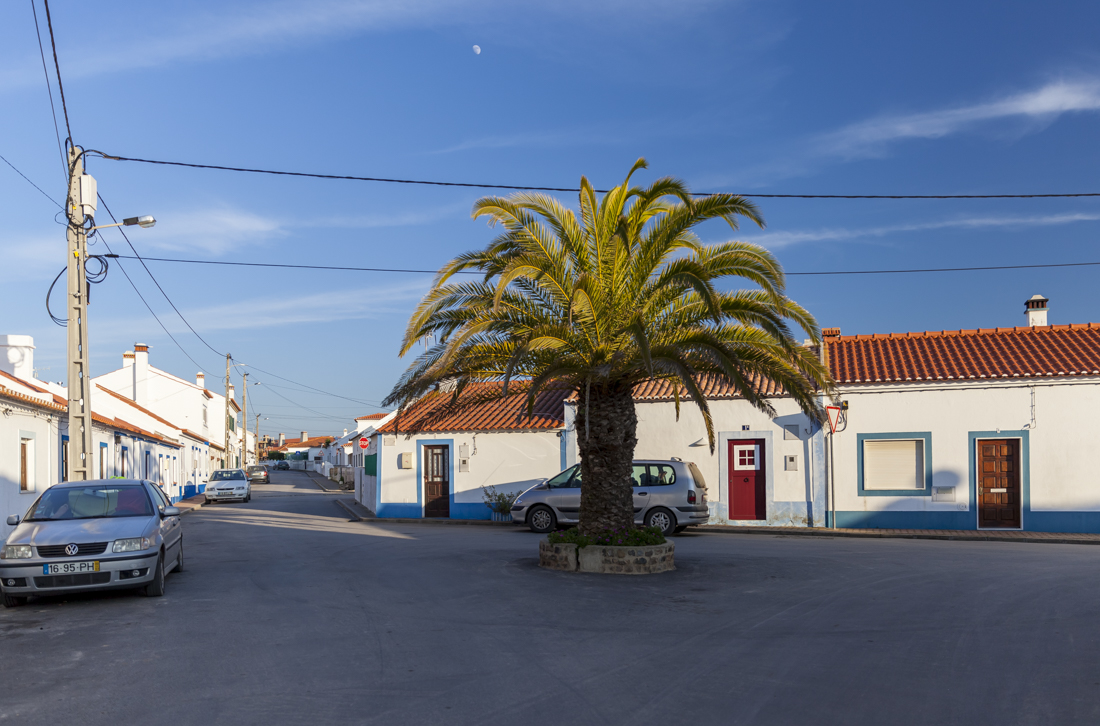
x,y
598,304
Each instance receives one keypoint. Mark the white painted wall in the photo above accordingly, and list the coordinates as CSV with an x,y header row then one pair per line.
x,y
18,420
509,461
1061,437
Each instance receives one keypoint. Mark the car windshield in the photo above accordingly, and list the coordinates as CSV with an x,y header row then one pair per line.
x,y
92,502
223,475
562,479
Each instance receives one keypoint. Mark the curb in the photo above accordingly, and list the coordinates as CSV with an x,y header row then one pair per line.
x,y
430,521
888,534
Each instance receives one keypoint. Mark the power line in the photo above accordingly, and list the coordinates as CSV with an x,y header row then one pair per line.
x,y
57,67
154,279
822,272
47,196
49,90
601,191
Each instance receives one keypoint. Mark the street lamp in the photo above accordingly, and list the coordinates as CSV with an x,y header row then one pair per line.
x,y
145,221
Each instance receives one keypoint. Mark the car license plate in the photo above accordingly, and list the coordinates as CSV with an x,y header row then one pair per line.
x,y
69,568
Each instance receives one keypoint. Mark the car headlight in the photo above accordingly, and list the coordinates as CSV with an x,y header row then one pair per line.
x,y
134,544
15,552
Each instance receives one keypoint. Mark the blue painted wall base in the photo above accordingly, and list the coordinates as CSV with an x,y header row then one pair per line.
x,y
1033,521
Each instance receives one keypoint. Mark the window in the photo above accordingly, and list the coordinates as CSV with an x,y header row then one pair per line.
x,y
893,465
65,459
746,457
204,424
561,481
103,461
26,464
653,475
122,463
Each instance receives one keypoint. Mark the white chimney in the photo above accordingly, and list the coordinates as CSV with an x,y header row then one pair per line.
x,y
141,374
305,436
1036,310
127,359
282,440
17,356
345,432
232,391
200,380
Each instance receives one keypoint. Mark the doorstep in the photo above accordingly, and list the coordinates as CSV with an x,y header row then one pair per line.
x,y
980,535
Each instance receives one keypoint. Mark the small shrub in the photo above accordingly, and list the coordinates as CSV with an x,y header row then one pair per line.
x,y
499,502
632,537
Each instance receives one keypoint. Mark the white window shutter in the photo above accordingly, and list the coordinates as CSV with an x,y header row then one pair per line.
x,y
895,464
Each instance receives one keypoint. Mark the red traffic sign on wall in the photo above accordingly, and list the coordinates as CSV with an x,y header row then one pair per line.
x,y
364,443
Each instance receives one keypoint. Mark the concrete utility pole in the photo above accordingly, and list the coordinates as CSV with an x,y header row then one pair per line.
x,y
257,438
225,423
244,423
79,382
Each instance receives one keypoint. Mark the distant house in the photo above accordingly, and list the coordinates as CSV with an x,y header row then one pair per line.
x,y
969,429
435,458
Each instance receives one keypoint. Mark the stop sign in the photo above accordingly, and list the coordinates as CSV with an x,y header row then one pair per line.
x,y
364,443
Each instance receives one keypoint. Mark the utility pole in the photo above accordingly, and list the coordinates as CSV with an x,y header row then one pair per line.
x,y
244,423
82,194
226,421
257,438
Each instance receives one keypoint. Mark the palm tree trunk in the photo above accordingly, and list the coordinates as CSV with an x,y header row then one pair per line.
x,y
606,431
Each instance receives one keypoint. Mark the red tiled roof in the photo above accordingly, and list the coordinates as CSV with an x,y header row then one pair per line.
x,y
1053,350
372,417
435,412
310,443
713,387
139,407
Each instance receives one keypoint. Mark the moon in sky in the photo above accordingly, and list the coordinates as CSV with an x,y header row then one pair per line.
x,y
477,50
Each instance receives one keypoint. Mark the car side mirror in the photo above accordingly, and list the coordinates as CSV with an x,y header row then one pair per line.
x,y
170,512
13,519
544,484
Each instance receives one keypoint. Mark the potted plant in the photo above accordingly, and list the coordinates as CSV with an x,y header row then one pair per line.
x,y
500,503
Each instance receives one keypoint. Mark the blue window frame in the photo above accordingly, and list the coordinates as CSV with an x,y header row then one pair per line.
x,y
925,436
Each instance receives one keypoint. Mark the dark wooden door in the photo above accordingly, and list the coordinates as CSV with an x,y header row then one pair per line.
x,y
999,492
24,466
437,485
747,491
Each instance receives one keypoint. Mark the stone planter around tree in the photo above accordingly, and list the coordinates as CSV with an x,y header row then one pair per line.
x,y
606,559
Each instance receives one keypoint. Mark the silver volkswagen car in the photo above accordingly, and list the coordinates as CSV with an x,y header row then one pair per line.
x,y
91,535
669,494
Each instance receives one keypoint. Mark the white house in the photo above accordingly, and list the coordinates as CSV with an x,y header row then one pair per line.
x,y
191,406
968,429
435,458
765,470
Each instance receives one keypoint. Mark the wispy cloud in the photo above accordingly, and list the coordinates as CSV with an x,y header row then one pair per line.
x,y
1040,106
215,230
777,240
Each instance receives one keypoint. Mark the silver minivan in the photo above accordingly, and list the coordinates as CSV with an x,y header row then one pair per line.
x,y
668,493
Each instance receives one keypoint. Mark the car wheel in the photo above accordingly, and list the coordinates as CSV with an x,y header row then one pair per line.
x,y
179,558
156,587
209,500
11,601
249,497
662,519
541,519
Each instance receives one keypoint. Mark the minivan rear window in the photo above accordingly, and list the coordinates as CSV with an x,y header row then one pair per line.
x,y
697,475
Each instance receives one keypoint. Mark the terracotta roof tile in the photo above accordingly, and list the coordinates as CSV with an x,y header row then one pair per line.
x,y
372,417
713,387
1054,350
436,413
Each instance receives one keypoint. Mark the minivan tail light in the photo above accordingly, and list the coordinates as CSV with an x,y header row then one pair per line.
x,y
691,496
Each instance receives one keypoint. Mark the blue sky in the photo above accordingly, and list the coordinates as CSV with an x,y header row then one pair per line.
x,y
768,97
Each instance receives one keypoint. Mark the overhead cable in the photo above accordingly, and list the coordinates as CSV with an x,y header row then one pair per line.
x,y
49,89
47,196
469,272
601,191
57,67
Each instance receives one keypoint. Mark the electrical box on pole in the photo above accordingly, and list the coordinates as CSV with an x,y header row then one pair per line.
x,y
81,202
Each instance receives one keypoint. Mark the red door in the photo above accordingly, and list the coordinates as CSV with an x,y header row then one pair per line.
x,y
746,479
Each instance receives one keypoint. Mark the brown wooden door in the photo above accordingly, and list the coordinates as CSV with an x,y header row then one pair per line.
x,y
437,485
747,491
24,466
999,492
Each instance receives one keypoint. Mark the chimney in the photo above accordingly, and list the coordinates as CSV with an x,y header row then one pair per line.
x,y
345,432
232,391
282,440
304,436
17,356
1036,310
141,374
128,359
200,380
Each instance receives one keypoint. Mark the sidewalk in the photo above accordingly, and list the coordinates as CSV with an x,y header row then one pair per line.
x,y
190,504
323,483
984,535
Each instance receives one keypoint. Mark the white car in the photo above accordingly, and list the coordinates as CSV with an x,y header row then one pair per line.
x,y
228,485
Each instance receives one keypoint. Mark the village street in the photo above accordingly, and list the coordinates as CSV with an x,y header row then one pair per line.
x,y
289,613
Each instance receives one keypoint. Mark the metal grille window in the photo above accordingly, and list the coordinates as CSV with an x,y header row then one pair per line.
x,y
894,464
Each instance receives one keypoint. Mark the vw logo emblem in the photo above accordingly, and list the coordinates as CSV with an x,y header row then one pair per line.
x,y
71,549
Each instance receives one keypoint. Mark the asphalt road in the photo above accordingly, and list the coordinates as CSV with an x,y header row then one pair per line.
x,y
287,613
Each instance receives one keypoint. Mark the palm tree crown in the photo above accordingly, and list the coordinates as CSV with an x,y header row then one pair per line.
x,y
624,293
